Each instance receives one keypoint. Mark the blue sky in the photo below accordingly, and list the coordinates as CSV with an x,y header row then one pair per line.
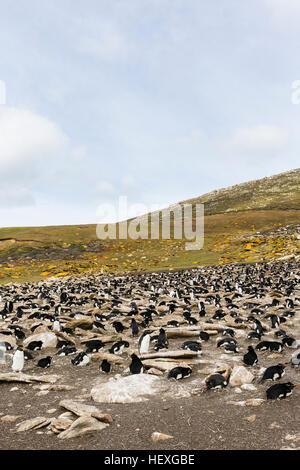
x,y
158,100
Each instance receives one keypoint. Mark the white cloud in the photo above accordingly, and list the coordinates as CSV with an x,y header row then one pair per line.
x,y
26,138
259,138
33,150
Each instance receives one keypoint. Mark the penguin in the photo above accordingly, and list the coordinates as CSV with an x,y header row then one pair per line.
x,y
45,362
136,366
229,332
18,360
118,326
27,355
271,345
192,346
250,358
162,340
19,334
179,373
118,347
290,342
280,391
231,348
173,323
105,366
134,327
203,336
56,326
274,372
215,381
202,311
144,342
275,320
66,351
35,345
280,333
62,343
192,321
93,345
82,359
254,335
223,342
8,346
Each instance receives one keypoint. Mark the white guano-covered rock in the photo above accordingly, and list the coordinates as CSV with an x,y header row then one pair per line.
x,y
240,376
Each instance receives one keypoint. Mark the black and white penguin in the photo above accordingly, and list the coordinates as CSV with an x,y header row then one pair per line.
x,y
45,362
192,346
204,336
269,345
62,343
136,366
179,373
274,372
215,381
280,391
231,348
35,345
82,359
27,355
254,335
290,342
134,327
105,366
118,326
173,323
93,345
18,360
229,332
144,342
162,340
250,358
19,334
66,351
118,347
275,320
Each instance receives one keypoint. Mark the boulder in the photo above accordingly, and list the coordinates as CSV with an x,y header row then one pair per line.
x,y
49,339
82,425
240,376
130,389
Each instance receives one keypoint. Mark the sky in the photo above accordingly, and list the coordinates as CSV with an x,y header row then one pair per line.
x,y
154,100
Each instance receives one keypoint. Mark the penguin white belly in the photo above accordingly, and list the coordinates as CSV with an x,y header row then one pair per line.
x,y
18,361
84,361
145,345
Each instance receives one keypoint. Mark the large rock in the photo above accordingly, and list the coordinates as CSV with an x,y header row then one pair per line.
x,y
131,389
49,339
239,376
82,425
85,410
34,423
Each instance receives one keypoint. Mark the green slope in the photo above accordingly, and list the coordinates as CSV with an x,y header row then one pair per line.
x,y
251,222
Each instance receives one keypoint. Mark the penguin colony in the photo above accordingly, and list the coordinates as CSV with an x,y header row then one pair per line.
x,y
256,308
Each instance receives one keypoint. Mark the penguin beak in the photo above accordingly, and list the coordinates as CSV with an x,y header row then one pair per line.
x,y
295,385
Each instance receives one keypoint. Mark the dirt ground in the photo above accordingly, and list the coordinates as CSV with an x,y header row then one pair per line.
x,y
198,422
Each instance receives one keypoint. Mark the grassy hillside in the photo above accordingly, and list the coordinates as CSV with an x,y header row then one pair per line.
x,y
250,222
